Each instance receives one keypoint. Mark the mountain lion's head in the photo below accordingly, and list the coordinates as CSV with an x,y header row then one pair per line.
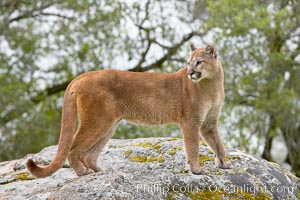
x,y
202,63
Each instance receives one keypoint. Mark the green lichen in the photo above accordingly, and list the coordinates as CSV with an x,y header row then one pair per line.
x,y
160,159
144,144
172,152
151,159
217,194
141,144
227,158
140,158
205,158
274,164
291,175
128,152
170,196
210,151
117,146
24,176
172,139
235,157
218,173
203,143
158,151
206,195
249,196
157,146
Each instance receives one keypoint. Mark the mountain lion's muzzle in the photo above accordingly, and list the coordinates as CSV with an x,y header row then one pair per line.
x,y
193,75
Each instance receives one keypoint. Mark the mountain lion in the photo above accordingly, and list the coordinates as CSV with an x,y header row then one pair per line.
x,y
192,97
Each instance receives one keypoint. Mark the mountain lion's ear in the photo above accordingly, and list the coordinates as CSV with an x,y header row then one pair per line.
x,y
192,47
211,50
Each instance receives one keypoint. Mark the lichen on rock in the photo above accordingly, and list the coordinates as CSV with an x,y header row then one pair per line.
x,y
152,168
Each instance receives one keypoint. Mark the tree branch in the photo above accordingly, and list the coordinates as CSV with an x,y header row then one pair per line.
x,y
31,13
170,51
50,91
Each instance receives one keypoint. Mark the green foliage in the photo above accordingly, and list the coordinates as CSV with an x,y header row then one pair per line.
x,y
41,44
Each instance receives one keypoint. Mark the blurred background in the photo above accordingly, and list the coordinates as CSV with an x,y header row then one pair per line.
x,y
44,44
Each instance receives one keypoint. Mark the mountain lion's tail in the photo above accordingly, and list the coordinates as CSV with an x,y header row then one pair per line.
x,y
68,125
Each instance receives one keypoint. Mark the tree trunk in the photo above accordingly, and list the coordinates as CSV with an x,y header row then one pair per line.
x,y
292,140
269,138
267,149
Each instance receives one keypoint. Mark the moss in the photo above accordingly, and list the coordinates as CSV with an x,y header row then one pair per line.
x,y
157,146
24,176
128,152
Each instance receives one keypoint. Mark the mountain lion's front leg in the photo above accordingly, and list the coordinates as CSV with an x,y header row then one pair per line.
x,y
191,140
210,133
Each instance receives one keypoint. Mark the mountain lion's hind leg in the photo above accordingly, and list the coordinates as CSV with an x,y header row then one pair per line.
x,y
89,158
86,138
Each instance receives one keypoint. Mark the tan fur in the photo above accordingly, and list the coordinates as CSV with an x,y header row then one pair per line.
x,y
100,99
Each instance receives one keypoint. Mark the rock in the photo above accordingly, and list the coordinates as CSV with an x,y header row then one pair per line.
x,y
151,168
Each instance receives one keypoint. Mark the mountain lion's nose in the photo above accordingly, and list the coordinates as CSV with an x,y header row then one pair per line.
x,y
191,72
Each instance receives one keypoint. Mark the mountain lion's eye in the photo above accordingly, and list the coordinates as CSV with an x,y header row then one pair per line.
x,y
198,62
